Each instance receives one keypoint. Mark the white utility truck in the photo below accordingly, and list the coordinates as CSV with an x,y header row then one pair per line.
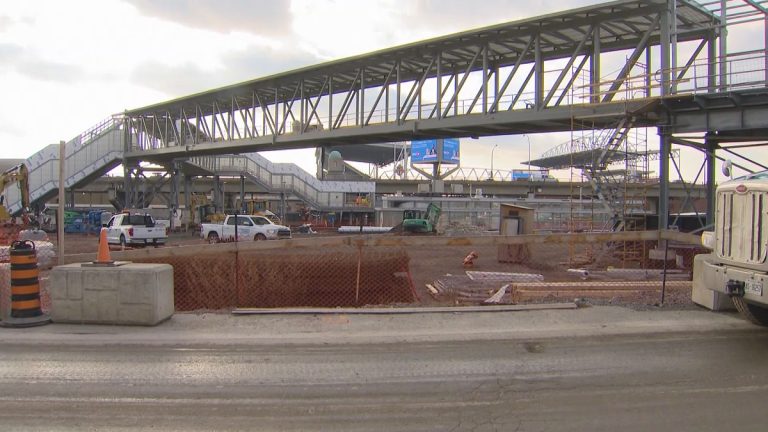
x,y
135,229
737,266
244,228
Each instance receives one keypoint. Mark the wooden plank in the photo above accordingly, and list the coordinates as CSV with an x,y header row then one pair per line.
x,y
525,295
600,285
503,276
677,236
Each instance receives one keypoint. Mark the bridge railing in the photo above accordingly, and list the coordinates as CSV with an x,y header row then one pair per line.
x,y
744,70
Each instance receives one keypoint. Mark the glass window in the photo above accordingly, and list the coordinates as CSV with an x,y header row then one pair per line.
x,y
142,220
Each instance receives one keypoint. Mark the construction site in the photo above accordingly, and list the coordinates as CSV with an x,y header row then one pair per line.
x,y
607,217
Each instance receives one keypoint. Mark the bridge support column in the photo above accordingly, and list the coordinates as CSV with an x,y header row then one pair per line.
x,y
665,144
175,174
711,158
130,185
188,196
243,207
218,198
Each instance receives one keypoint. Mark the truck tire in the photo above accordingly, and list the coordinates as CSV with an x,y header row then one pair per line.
x,y
259,237
123,243
751,312
213,238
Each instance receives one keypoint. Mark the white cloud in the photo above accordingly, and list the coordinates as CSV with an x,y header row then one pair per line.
x,y
259,17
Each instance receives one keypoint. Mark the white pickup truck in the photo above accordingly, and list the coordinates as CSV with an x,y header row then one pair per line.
x,y
244,228
135,229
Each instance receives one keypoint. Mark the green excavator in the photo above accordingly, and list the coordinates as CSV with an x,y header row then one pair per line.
x,y
418,221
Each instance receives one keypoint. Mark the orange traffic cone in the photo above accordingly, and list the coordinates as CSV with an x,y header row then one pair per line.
x,y
103,256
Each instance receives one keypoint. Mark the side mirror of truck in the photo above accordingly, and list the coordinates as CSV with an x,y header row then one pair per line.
x,y
727,168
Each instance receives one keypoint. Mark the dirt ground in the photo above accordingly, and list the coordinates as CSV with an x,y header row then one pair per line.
x,y
428,265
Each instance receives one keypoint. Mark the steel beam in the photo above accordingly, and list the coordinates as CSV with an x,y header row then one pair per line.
x,y
711,182
665,146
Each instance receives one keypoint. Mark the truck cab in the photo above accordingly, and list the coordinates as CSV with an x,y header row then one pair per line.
x,y
135,229
737,267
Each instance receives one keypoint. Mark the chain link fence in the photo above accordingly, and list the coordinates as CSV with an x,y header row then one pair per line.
x,y
395,270
342,276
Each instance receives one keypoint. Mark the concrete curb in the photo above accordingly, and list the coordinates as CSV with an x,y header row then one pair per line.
x,y
211,330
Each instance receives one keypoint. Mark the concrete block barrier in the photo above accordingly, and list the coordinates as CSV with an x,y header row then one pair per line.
x,y
130,294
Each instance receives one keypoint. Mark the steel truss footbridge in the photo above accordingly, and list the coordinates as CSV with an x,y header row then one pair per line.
x,y
661,64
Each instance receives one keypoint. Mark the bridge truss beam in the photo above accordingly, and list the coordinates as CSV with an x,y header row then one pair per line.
x,y
453,86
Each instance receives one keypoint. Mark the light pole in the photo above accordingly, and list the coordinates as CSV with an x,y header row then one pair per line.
x,y
492,150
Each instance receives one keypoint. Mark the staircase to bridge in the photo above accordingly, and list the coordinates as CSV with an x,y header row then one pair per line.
x,y
99,150
285,178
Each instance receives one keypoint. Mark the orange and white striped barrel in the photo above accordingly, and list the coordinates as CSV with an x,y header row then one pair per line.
x,y
25,282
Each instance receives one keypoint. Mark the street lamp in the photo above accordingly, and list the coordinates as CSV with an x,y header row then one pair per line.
x,y
492,150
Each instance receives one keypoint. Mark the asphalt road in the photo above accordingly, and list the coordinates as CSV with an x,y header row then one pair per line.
x,y
676,381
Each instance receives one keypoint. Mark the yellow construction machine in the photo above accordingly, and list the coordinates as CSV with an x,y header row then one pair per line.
x,y
19,176
9,226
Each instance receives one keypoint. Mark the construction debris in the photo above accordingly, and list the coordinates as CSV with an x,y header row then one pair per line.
x,y
483,288
461,290
469,260
504,277
496,298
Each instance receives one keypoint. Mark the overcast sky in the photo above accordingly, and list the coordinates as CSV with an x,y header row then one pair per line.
x,y
66,65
